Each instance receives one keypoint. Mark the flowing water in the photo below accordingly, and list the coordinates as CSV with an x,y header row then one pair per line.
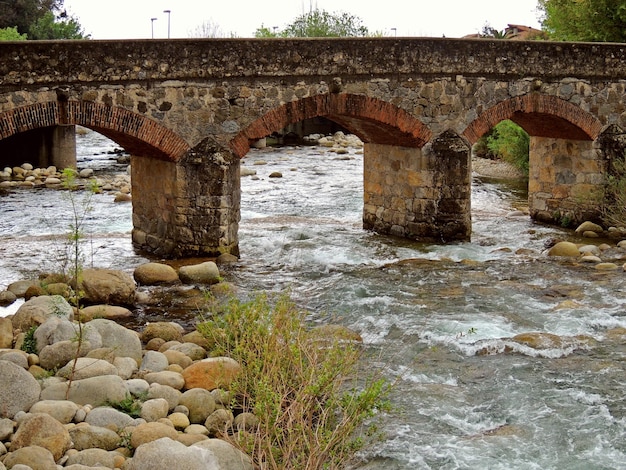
x,y
437,320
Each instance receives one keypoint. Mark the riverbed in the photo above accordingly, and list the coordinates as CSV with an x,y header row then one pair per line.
x,y
437,320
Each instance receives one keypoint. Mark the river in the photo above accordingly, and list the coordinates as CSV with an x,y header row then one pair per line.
x,y
437,320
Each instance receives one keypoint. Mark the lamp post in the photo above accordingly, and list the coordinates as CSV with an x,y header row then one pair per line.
x,y
168,22
152,24
395,31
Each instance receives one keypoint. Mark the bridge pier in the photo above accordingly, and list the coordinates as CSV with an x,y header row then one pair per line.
x,y
566,180
419,193
187,208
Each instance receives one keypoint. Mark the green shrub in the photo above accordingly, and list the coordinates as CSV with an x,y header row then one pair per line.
x,y
511,143
614,206
307,392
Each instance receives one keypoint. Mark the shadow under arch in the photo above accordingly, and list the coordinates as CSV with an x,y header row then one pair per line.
x,y
540,116
370,119
137,134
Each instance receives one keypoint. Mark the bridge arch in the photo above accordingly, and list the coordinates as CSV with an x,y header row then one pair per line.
x,y
138,134
539,115
371,119
565,167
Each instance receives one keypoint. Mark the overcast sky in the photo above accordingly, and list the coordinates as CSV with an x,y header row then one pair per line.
x,y
120,19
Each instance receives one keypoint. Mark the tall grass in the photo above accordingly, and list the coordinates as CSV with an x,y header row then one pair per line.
x,y
313,401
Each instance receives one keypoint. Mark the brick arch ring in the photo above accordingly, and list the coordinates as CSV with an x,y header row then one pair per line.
x,y
570,121
371,119
138,134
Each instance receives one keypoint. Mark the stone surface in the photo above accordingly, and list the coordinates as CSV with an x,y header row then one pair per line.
x,y
85,367
564,249
37,310
19,390
6,333
168,453
154,409
85,436
168,331
40,429
211,373
93,391
123,342
203,273
33,457
61,410
149,432
228,456
107,286
111,312
109,418
200,404
151,274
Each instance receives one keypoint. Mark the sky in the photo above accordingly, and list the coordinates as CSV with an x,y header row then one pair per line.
x,y
131,19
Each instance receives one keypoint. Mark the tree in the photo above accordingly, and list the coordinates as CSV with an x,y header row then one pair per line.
x,y
24,13
62,27
11,34
40,19
209,29
319,23
511,143
585,20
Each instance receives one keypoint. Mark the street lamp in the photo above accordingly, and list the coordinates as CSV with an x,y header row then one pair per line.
x,y
168,22
152,24
395,31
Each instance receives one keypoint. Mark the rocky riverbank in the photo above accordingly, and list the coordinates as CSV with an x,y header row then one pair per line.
x,y
95,394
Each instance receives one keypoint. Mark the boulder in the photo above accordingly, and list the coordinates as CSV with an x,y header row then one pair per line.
x,y
7,298
153,361
589,227
219,422
172,395
95,458
228,456
85,436
110,418
19,288
168,453
33,457
200,404
92,391
168,331
564,249
85,368
58,354
178,358
191,350
154,409
19,390
123,342
148,432
151,274
166,377
53,330
111,312
203,273
61,410
40,429
211,373
107,286
15,356
37,310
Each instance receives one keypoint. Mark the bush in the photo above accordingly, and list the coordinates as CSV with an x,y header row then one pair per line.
x,y
614,207
511,143
307,392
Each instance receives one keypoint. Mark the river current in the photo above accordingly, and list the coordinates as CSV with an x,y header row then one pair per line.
x,y
436,320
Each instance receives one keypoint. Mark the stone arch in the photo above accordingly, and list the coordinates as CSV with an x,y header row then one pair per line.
x,y
540,116
371,119
138,134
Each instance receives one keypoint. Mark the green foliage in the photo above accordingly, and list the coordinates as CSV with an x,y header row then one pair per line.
x,y
510,142
306,390
11,34
130,405
51,27
584,20
30,344
319,23
21,14
491,32
614,206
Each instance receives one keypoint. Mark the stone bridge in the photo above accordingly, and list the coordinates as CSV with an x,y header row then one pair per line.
x,y
188,110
